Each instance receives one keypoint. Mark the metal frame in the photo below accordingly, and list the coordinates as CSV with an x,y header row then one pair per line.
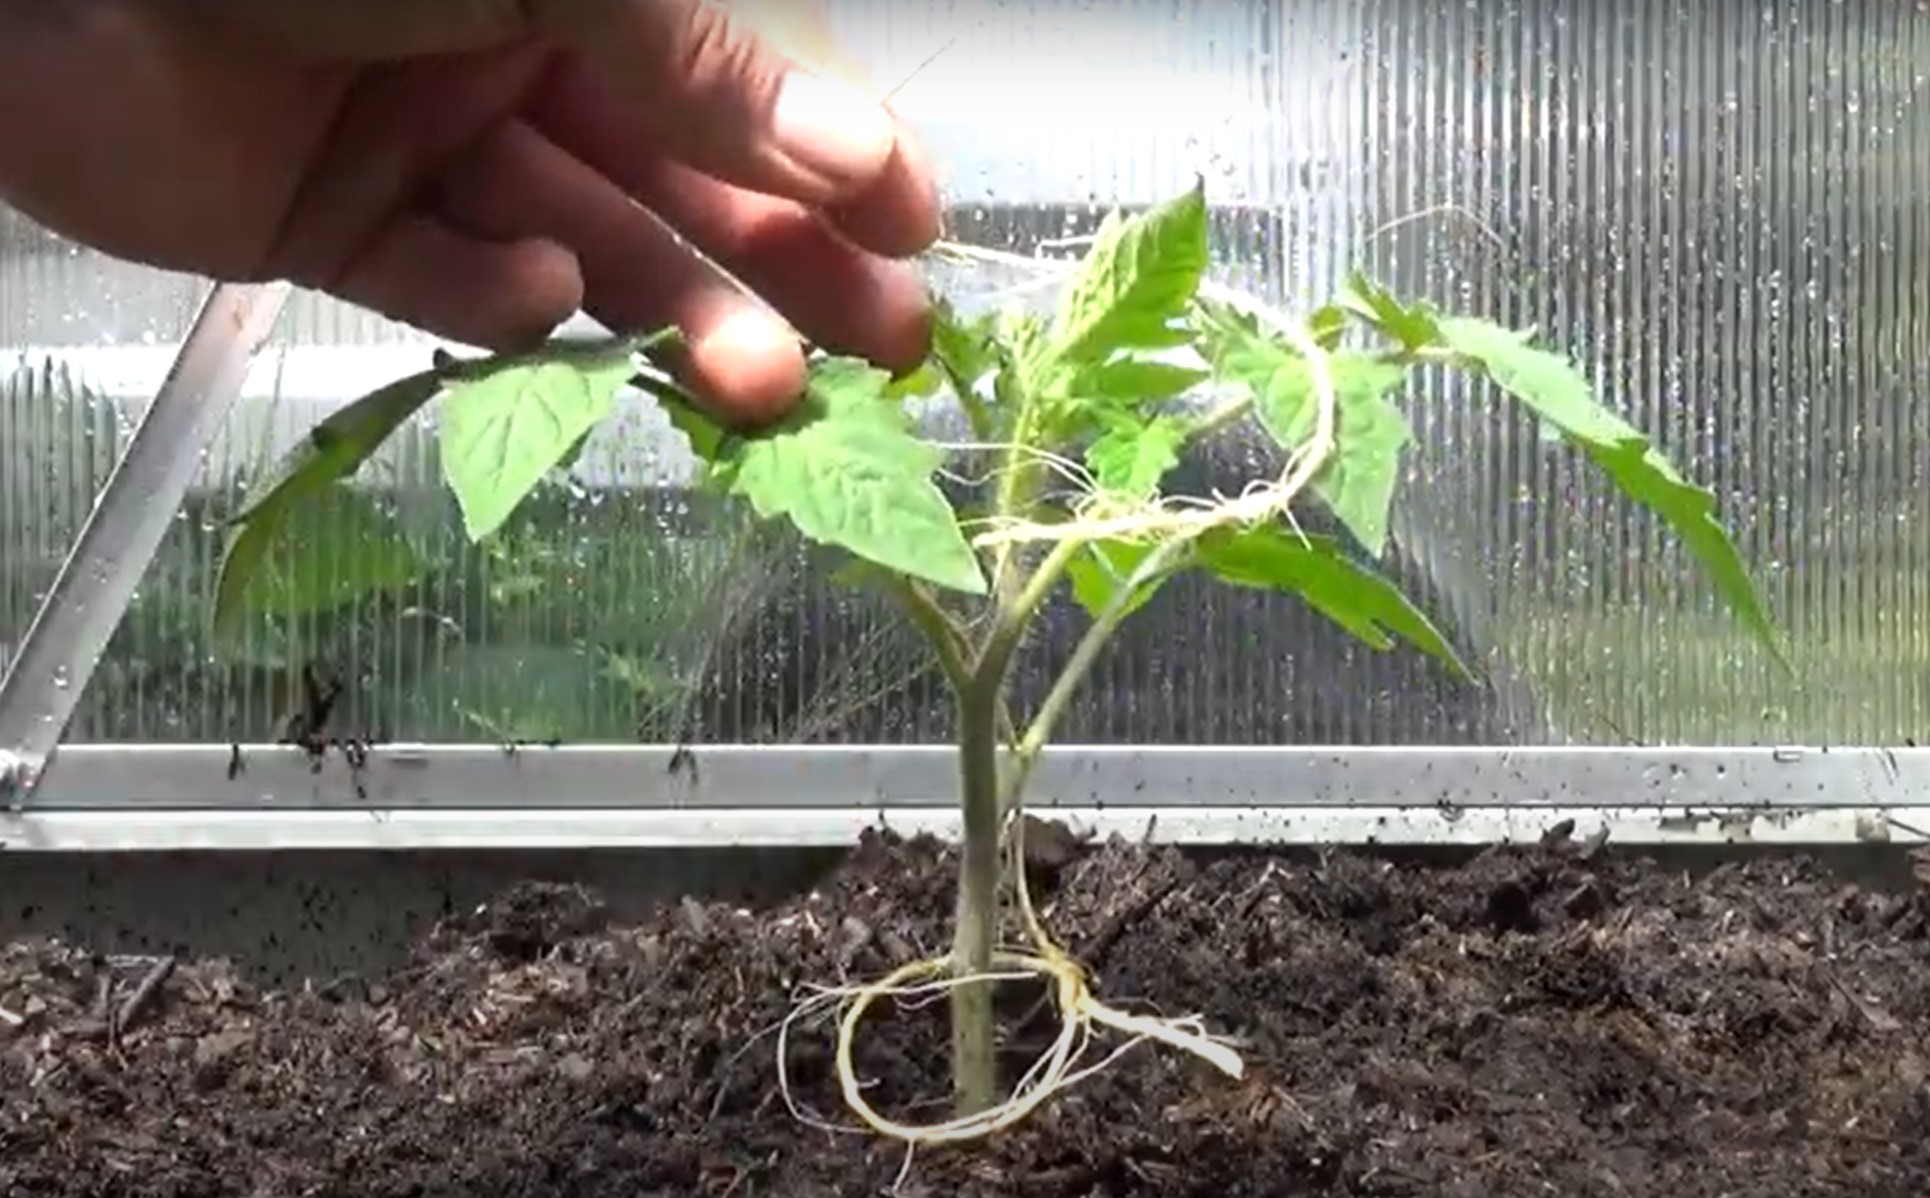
x,y
57,655
111,797
839,828
274,778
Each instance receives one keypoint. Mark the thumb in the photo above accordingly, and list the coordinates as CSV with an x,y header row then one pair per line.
x,y
755,93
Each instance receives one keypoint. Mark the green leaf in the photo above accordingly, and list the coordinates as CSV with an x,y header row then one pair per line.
x,y
1369,434
1556,392
1105,567
849,385
506,426
333,450
922,383
1138,277
1413,326
1236,345
1370,431
1130,457
706,436
331,550
1327,325
1547,383
967,351
1134,381
846,471
574,454
1026,364
337,446
1318,570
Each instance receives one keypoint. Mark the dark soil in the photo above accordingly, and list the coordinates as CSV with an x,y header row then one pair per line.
x,y
1536,1022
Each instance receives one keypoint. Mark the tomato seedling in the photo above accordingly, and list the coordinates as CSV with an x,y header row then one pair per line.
x,y
1076,418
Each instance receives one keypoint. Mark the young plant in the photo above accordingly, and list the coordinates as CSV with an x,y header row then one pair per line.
x,y
1082,415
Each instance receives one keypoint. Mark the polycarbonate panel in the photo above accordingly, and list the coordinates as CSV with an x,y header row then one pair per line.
x,y
1721,208
1718,207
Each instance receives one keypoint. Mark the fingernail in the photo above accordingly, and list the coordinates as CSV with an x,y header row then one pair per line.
x,y
832,129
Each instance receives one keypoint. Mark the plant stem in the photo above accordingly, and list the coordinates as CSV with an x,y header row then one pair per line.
x,y
974,1061
1084,654
949,641
940,631
1015,615
982,719
987,797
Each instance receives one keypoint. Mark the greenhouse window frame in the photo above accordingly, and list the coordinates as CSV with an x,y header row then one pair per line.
x,y
109,797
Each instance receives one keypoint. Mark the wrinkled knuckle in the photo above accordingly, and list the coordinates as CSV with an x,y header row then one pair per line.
x,y
720,58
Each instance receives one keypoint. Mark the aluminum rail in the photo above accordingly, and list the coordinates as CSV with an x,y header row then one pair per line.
x,y
61,648
145,798
416,830
271,778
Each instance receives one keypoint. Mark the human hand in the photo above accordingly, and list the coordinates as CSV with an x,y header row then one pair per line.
x,y
485,168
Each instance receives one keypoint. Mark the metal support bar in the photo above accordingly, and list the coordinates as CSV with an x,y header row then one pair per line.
x,y
57,656
270,779
839,828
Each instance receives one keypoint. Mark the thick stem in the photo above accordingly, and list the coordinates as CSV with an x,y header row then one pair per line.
x,y
981,722
986,797
982,718
974,1061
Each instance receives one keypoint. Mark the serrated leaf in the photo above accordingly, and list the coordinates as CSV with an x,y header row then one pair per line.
x,y
574,454
1098,574
1130,457
1134,381
333,450
1370,432
923,383
1546,382
1556,392
846,384
503,429
1414,326
846,470
1318,570
1139,276
1026,364
966,350
1327,325
1237,345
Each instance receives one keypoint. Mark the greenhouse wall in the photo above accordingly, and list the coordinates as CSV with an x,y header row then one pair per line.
x,y
548,864
1720,208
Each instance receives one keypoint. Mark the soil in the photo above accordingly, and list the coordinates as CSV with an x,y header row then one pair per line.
x,y
1542,1021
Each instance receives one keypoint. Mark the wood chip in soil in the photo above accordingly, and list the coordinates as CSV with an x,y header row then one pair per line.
x,y
1535,1022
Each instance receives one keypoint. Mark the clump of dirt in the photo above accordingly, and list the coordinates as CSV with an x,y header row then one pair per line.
x,y
1538,1021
